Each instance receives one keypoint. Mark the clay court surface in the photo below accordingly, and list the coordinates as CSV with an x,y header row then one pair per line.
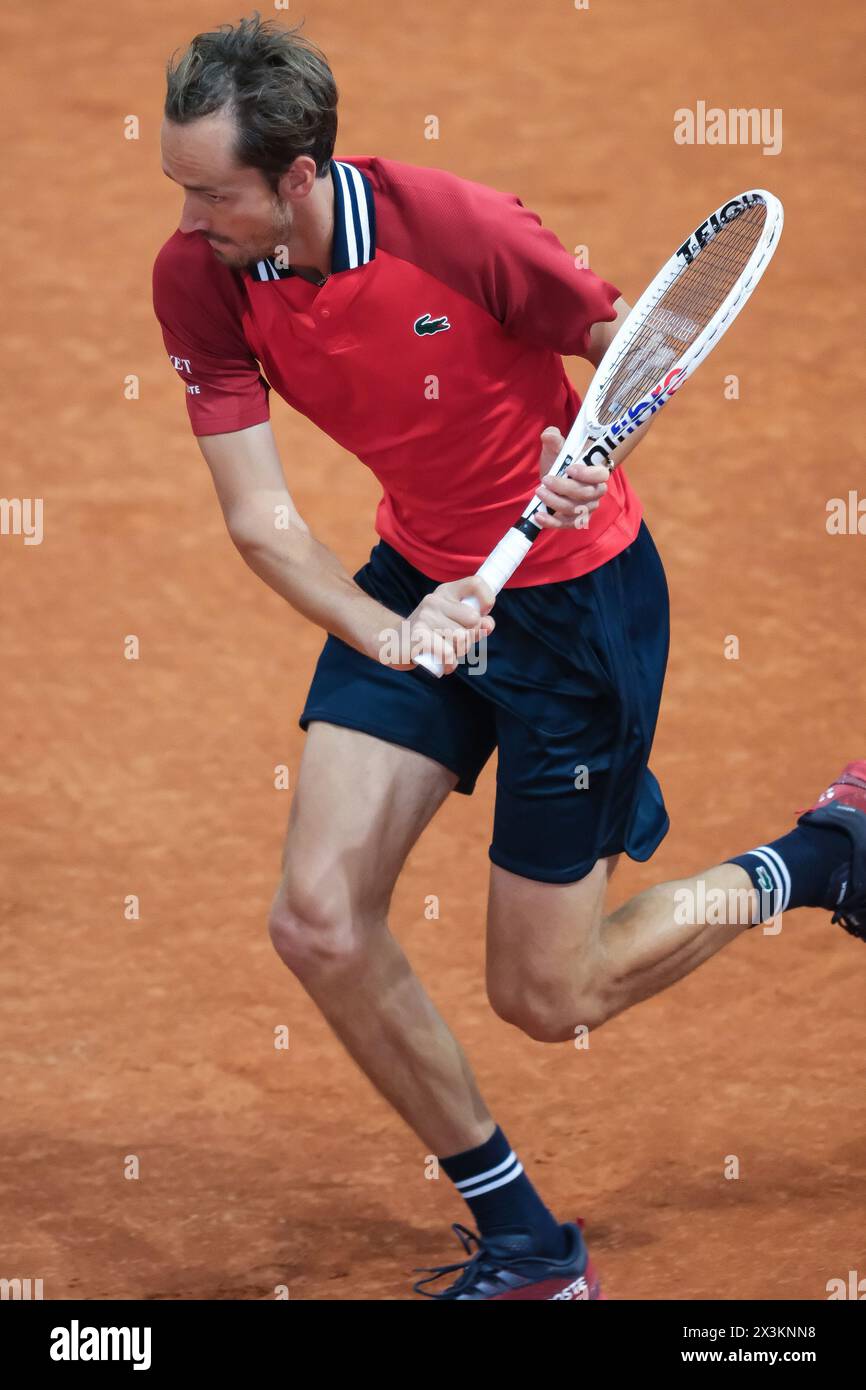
x,y
155,777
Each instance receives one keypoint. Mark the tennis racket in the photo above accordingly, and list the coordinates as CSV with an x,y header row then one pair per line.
x,y
674,325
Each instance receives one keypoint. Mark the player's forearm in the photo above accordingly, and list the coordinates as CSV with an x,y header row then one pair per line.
x,y
312,579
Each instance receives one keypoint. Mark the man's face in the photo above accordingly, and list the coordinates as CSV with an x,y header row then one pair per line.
x,y
232,205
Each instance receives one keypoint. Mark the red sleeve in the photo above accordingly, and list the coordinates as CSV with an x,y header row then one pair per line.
x,y
199,304
534,287
488,246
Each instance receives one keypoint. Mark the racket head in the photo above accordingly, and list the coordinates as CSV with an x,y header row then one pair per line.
x,y
683,313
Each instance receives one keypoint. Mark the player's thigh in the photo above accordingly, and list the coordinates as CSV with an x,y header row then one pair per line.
x,y
359,807
542,936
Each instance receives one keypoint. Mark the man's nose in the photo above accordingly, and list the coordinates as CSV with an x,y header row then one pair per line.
x,y
191,220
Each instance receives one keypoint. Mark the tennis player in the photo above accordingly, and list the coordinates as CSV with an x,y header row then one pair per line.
x,y
420,320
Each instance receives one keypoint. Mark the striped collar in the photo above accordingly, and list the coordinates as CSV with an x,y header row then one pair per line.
x,y
354,225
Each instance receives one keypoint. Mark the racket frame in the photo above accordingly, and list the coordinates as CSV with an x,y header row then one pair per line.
x,y
591,442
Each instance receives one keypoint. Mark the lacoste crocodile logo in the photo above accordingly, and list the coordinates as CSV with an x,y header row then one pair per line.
x,y
426,324
763,877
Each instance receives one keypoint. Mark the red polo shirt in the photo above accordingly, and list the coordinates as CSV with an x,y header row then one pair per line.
x,y
432,352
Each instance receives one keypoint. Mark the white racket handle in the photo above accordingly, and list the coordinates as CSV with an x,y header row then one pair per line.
x,y
429,660
496,572
503,561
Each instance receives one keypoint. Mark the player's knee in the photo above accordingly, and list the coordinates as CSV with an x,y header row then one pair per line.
x,y
312,925
549,1014
559,1025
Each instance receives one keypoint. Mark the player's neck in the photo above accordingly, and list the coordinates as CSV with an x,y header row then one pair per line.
x,y
313,231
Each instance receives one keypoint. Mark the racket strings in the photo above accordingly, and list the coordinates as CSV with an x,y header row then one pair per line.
x,y
681,314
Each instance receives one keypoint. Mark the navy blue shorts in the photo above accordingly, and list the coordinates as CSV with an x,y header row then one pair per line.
x,y
569,697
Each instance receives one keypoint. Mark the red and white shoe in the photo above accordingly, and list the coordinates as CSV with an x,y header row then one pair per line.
x,y
843,807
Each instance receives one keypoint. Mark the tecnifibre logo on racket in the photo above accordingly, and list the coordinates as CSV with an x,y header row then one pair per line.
x,y
631,418
713,225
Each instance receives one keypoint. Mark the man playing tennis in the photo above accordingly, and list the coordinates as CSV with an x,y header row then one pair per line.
x,y
420,320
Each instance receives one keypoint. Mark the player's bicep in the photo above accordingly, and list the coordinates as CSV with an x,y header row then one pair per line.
x,y
250,484
537,289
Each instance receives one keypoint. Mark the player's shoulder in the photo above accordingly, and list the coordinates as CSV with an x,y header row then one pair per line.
x,y
191,286
416,179
185,254
416,191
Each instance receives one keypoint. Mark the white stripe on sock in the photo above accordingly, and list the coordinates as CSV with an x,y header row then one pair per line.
x,y
513,1173
778,890
488,1173
783,872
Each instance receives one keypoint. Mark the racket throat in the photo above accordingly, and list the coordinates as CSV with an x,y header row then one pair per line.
x,y
528,528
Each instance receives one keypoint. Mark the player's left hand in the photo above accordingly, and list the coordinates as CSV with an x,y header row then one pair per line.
x,y
574,496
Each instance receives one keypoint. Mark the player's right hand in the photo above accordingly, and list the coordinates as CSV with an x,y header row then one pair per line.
x,y
445,626
571,498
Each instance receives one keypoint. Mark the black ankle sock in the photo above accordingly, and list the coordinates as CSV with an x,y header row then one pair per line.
x,y
501,1198
794,871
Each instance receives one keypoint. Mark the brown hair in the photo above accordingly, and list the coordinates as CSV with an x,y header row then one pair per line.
x,y
276,85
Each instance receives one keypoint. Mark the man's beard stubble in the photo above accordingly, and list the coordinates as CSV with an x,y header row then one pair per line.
x,y
244,256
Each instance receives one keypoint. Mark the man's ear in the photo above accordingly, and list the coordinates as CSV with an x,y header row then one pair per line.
x,y
299,179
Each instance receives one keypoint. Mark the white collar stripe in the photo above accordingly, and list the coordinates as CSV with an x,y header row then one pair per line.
x,y
354,225
360,201
348,218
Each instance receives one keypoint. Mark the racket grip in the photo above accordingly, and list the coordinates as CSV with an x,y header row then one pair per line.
x,y
429,663
427,659
503,561
496,572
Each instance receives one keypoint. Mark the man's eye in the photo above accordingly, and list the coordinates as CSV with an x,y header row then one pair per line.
x,y
215,197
